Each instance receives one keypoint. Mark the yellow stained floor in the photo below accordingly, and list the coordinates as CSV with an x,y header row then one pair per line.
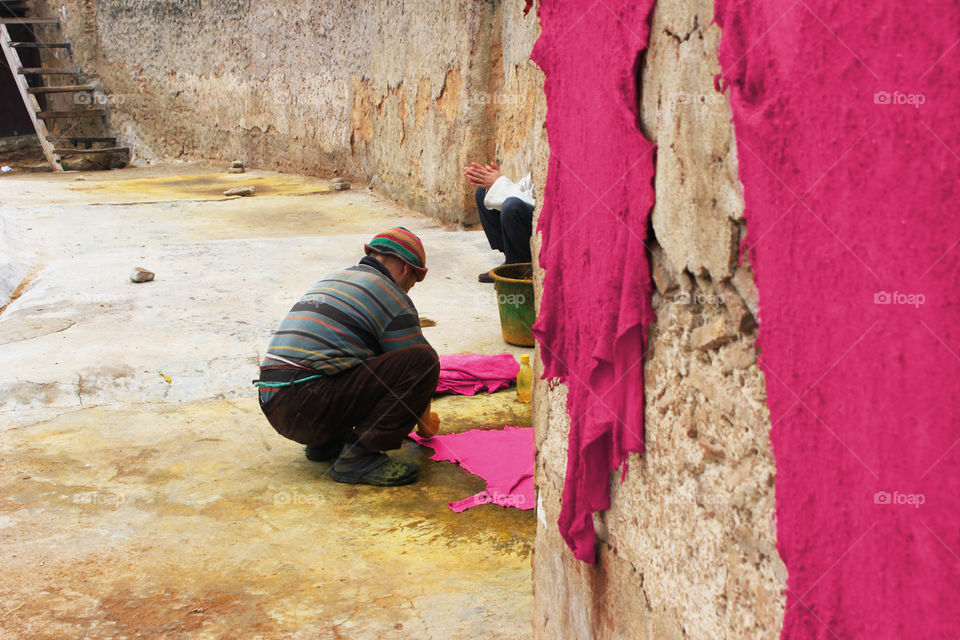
x,y
131,506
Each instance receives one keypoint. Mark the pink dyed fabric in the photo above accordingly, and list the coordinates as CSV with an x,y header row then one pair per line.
x,y
847,116
502,457
469,373
596,291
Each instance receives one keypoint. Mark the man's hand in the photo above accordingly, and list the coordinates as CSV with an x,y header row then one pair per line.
x,y
428,425
480,176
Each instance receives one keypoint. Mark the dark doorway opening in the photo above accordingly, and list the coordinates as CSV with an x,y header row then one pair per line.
x,y
14,119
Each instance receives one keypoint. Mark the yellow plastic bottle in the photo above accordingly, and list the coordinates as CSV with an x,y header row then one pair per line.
x,y
524,379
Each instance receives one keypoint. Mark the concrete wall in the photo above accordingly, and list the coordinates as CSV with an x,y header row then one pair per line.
x,y
405,96
688,548
402,95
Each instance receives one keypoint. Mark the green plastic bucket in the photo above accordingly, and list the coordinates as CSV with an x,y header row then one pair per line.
x,y
514,286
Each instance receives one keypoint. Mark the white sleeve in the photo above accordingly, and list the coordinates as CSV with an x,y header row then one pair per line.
x,y
505,188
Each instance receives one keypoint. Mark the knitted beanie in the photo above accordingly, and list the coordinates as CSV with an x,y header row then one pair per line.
x,y
403,244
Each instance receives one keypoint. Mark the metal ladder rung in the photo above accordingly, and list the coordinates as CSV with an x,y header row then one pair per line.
x,y
74,113
23,71
40,45
63,88
30,20
67,151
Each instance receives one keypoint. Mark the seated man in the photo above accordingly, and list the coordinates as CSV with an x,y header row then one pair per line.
x,y
506,212
348,372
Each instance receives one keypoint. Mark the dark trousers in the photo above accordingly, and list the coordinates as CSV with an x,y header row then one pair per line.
x,y
509,229
382,398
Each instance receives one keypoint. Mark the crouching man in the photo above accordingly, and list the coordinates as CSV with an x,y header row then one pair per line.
x,y
349,373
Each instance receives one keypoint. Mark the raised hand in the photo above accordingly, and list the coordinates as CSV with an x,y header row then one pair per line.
x,y
482,176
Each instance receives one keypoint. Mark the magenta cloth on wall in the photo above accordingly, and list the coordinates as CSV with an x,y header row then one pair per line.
x,y
469,373
847,117
596,291
502,457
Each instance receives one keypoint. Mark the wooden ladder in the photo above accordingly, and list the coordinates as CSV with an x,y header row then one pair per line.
x,y
54,147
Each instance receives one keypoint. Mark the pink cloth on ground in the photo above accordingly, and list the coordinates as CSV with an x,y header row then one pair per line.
x,y
596,302
847,117
469,373
502,457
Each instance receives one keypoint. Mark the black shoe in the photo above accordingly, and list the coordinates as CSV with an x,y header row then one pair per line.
x,y
486,277
375,469
324,452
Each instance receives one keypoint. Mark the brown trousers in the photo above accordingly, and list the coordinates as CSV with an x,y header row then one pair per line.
x,y
382,398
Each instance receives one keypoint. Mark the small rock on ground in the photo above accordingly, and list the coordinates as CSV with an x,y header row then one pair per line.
x,y
239,191
140,274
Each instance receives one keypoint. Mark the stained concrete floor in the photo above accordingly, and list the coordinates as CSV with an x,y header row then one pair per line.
x,y
142,494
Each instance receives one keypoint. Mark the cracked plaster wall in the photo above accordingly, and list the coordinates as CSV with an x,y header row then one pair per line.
x,y
404,97
400,95
688,548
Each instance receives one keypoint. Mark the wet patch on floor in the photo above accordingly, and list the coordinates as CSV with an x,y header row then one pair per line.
x,y
141,490
177,521
199,186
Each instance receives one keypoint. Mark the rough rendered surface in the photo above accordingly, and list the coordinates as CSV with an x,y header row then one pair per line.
x,y
400,95
688,547
143,494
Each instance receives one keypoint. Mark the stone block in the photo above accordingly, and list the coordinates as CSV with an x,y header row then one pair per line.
x,y
740,314
713,334
240,191
664,275
736,356
742,281
139,274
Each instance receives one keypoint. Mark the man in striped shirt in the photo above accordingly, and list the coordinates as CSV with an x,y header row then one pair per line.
x,y
348,372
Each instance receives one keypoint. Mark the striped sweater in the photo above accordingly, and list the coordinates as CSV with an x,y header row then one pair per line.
x,y
344,319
